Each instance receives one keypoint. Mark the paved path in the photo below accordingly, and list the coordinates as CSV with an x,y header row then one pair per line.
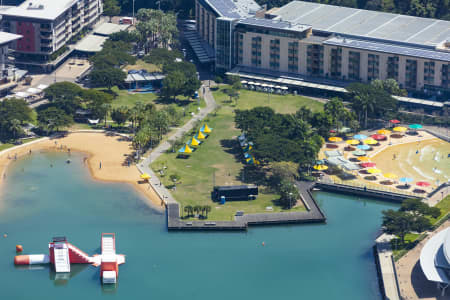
x,y
388,275
144,166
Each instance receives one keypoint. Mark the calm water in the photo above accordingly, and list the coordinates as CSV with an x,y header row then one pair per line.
x,y
332,261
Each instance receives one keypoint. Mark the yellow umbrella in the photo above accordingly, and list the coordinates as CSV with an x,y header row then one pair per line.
x,y
384,131
370,142
363,158
335,139
320,167
200,136
352,142
400,129
145,176
194,142
206,129
390,175
374,171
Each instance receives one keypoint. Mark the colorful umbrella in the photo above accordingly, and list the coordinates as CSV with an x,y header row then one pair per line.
x,y
363,147
390,175
145,176
205,128
352,142
423,183
364,158
384,131
368,165
201,136
332,131
370,142
373,171
360,136
185,150
405,179
194,142
335,139
378,137
415,126
320,162
394,121
359,153
400,129
320,167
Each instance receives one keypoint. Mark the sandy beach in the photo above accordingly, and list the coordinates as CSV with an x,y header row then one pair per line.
x,y
110,151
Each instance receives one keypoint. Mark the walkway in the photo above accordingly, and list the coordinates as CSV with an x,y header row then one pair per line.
x,y
144,166
387,268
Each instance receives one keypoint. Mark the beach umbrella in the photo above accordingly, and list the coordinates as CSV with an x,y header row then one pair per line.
x,y
370,142
363,158
390,175
352,142
320,167
363,147
405,179
335,139
201,136
344,130
378,137
394,121
145,176
194,142
368,165
360,137
205,128
384,131
400,129
249,160
359,153
246,155
423,183
415,126
185,149
374,171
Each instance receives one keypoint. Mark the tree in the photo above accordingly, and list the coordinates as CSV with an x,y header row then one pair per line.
x,y
108,77
207,210
53,118
156,27
283,170
120,115
162,56
15,128
189,210
13,113
111,8
419,208
288,193
398,223
125,36
336,110
65,96
95,101
172,84
106,107
232,93
390,86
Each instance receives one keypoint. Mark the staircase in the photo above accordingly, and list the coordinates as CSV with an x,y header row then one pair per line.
x,y
77,256
108,247
62,262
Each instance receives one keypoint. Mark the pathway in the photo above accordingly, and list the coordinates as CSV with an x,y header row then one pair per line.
x,y
386,262
144,166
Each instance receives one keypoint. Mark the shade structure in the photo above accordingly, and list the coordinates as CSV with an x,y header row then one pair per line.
x,y
249,160
205,128
405,179
378,137
384,131
185,149
368,165
394,121
415,126
374,171
145,176
344,130
363,147
319,162
370,141
194,142
390,175
423,183
352,142
246,155
201,136
244,82
359,153
400,129
360,137
363,158
320,167
284,88
335,139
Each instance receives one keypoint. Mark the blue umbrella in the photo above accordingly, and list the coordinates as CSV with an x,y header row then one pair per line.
x,y
405,179
415,126
360,137
363,147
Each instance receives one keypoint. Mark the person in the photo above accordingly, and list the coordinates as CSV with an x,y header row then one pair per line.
x,y
4,175
100,165
29,152
417,151
15,156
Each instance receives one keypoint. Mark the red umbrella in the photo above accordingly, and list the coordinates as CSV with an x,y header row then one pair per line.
x,y
368,165
378,137
394,121
332,131
423,183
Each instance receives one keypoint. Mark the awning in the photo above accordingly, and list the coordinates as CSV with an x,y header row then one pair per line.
x,y
34,91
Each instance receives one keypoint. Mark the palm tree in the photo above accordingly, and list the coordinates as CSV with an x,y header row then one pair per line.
x,y
207,210
188,209
106,108
197,209
15,128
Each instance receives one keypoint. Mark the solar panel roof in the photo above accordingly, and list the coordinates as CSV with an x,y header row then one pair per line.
x,y
275,24
234,9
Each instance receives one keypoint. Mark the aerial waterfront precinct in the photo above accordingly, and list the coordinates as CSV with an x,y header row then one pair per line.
x,y
175,149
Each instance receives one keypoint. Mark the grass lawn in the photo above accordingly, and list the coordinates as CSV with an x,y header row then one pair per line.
x,y
219,157
140,64
444,206
7,145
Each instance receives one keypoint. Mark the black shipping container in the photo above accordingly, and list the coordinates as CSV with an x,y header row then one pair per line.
x,y
235,192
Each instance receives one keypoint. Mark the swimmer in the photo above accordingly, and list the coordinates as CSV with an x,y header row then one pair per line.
x,y
51,165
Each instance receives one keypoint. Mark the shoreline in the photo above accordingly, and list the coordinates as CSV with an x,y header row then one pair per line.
x,y
98,147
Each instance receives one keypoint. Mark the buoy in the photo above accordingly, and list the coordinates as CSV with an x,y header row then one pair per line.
x,y
33,259
263,243
5,235
19,248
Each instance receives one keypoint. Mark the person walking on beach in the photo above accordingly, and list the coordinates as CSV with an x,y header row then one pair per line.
x,y
15,156
100,165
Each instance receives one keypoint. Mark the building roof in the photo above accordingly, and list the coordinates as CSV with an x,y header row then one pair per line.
x,y
107,29
234,9
6,37
389,48
434,259
40,9
365,23
274,24
91,43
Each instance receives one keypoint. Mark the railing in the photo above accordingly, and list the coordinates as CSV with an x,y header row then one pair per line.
x,y
377,187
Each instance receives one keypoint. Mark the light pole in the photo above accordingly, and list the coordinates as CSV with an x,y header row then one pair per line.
x,y
290,200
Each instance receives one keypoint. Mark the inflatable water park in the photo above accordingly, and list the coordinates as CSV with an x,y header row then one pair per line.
x,y
62,254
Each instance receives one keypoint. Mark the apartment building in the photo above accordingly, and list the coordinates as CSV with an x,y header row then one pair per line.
x,y
312,41
47,25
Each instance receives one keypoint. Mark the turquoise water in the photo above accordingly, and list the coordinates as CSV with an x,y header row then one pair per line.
x,y
332,261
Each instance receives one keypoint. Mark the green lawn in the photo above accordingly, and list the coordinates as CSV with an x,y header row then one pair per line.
x,y
219,157
7,145
140,64
126,99
444,206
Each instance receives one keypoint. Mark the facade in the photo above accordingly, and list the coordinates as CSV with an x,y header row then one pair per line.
x,y
5,40
47,25
311,40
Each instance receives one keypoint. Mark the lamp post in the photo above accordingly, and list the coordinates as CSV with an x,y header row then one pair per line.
x,y
290,200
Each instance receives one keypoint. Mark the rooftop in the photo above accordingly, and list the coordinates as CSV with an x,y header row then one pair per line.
x,y
107,29
6,37
91,43
365,23
274,24
40,9
234,9
434,258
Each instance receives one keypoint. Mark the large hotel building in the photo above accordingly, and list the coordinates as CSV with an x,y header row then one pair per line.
x,y
47,25
310,40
